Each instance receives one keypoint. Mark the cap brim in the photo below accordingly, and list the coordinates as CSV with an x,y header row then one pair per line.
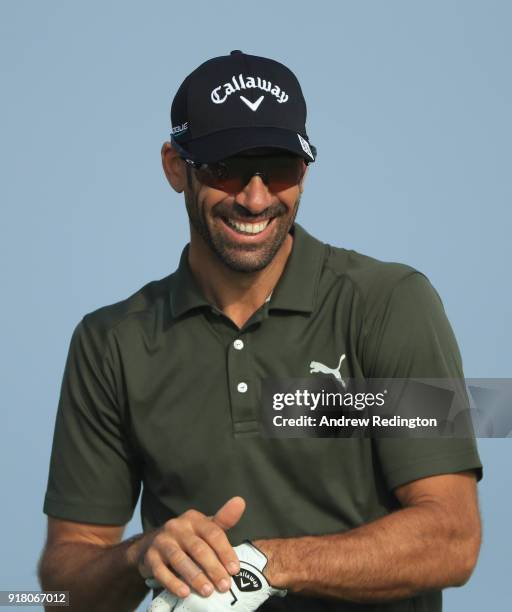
x,y
219,145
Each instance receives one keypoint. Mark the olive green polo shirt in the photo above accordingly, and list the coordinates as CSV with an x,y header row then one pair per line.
x,y
161,392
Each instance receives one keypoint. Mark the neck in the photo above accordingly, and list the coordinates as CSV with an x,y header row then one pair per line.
x,y
237,294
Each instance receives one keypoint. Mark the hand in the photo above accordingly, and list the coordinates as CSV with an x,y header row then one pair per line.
x,y
192,551
249,589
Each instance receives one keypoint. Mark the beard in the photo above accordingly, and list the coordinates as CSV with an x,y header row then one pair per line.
x,y
240,257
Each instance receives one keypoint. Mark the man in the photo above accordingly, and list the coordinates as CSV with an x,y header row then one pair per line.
x,y
164,389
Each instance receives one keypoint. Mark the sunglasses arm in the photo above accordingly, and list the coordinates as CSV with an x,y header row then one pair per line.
x,y
185,155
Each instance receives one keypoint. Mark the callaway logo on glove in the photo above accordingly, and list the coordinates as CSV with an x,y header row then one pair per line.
x,y
249,589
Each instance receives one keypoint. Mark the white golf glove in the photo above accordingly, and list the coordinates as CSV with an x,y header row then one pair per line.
x,y
249,589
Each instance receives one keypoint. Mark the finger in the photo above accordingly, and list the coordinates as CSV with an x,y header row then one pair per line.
x,y
230,513
189,571
206,558
170,581
218,541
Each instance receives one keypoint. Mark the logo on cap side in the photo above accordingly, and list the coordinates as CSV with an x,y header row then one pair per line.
x,y
179,129
305,146
221,93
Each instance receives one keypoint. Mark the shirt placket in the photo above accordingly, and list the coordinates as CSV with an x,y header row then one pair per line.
x,y
243,387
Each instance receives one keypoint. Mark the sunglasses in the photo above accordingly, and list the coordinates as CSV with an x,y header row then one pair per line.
x,y
278,172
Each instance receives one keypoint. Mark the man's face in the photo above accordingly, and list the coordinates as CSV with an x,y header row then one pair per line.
x,y
245,230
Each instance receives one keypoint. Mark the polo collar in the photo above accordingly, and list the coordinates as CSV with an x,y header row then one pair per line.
x,y
185,292
296,289
298,286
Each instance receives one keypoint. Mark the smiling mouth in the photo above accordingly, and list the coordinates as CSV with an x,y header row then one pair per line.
x,y
248,229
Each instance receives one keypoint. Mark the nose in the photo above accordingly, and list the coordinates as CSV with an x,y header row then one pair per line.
x,y
255,196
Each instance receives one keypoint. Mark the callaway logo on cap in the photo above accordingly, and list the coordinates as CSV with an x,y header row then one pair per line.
x,y
238,102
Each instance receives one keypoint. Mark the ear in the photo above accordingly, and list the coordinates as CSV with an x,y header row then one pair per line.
x,y
174,167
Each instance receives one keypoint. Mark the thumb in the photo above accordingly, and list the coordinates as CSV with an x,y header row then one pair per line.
x,y
230,513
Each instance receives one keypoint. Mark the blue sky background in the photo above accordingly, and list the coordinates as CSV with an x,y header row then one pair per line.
x,y
409,106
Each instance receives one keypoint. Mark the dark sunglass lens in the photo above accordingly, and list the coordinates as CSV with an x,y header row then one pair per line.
x,y
220,176
231,175
285,172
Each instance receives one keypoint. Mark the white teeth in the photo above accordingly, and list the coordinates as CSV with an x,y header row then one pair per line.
x,y
249,228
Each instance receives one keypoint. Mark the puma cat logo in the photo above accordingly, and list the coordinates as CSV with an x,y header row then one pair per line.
x,y
315,367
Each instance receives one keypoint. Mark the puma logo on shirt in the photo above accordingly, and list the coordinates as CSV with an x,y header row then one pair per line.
x,y
315,367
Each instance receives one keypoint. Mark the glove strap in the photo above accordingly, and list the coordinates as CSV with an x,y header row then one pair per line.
x,y
251,555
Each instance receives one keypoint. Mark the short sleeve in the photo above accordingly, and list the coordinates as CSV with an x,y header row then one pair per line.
x,y
94,475
411,337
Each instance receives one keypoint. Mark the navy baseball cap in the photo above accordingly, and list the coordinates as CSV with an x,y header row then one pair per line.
x,y
236,102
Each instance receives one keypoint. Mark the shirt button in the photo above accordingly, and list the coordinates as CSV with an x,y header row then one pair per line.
x,y
238,344
242,387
